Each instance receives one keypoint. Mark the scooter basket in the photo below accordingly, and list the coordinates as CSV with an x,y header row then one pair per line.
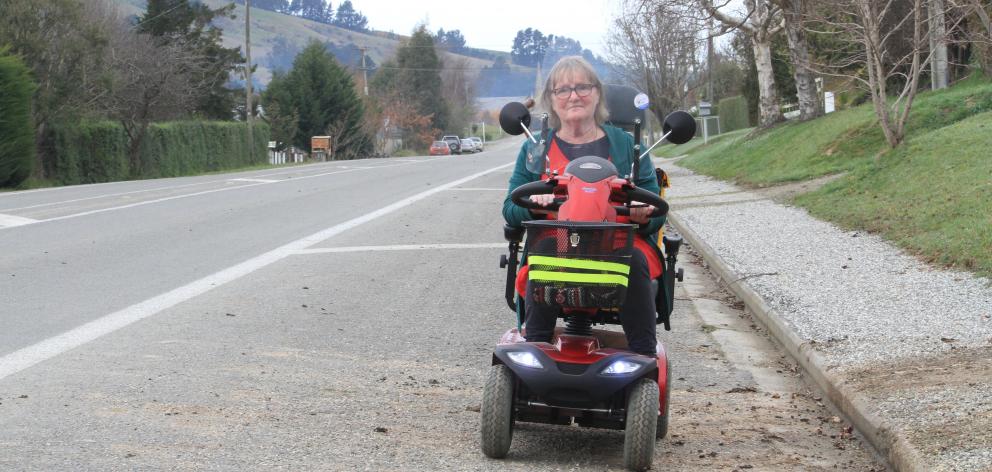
x,y
578,264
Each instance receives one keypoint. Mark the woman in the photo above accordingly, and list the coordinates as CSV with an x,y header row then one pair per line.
x,y
573,95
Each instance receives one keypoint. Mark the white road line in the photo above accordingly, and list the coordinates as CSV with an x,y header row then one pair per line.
x,y
7,221
205,192
261,181
398,247
24,358
479,189
108,195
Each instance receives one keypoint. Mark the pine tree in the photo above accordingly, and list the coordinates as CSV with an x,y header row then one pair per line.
x,y
323,95
419,78
347,17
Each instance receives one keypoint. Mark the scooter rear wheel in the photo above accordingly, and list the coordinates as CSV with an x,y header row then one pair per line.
x,y
497,412
641,427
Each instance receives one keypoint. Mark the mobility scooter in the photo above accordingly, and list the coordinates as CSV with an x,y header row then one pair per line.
x,y
578,262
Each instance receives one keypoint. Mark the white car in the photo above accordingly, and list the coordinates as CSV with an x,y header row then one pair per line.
x,y
469,146
479,146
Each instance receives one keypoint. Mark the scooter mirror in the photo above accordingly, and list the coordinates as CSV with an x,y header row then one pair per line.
x,y
681,125
514,117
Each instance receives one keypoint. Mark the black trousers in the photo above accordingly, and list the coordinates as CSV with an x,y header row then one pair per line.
x,y
637,316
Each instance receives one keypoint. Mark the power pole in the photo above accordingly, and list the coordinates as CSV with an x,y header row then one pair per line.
x,y
365,71
248,107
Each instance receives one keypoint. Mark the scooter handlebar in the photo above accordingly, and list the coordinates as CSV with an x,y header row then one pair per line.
x,y
521,195
636,194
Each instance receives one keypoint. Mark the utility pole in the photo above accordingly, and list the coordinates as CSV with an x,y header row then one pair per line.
x,y
248,107
365,72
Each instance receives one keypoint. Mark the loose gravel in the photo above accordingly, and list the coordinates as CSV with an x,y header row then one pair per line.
x,y
853,295
913,341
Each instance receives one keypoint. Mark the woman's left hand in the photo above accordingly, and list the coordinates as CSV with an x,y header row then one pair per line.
x,y
641,215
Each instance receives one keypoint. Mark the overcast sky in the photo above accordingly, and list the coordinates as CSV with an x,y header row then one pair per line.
x,y
494,24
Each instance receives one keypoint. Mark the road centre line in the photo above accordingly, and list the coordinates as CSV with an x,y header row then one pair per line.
x,y
262,181
108,195
398,247
205,192
26,357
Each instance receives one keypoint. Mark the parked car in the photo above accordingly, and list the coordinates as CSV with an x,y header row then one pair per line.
x,y
479,145
440,148
468,145
454,143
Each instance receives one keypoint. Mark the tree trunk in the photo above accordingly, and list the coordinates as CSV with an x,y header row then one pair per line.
x,y
768,108
799,51
938,43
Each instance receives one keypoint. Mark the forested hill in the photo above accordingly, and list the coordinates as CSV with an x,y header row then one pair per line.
x,y
277,37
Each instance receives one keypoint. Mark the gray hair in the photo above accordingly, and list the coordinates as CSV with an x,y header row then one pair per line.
x,y
566,66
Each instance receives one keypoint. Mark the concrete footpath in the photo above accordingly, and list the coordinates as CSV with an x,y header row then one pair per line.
x,y
903,349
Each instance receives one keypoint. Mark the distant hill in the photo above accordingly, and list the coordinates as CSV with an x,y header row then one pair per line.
x,y
276,38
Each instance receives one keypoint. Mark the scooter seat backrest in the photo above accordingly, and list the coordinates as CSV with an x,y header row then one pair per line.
x,y
620,103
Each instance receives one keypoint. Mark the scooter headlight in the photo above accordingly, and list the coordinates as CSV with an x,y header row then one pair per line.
x,y
621,367
525,359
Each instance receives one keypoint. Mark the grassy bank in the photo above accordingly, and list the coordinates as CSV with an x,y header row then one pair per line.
x,y
932,196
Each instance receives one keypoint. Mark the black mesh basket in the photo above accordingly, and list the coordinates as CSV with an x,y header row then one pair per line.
x,y
578,264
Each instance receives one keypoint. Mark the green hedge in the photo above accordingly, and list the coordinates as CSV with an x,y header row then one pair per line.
x,y
90,152
733,114
93,152
16,127
195,147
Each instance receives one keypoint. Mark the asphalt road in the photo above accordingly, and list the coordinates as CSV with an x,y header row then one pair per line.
x,y
337,316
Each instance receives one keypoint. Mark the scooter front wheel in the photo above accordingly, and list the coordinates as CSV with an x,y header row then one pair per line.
x,y
497,412
641,426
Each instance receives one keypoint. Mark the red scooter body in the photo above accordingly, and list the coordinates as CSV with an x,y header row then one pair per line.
x,y
569,385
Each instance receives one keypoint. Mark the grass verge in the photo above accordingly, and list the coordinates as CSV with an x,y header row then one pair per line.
x,y
931,196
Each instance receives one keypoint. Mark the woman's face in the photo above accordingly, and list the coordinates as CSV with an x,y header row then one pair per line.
x,y
568,102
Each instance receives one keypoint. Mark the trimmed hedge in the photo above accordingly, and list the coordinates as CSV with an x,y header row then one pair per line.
x,y
90,152
733,114
16,126
98,151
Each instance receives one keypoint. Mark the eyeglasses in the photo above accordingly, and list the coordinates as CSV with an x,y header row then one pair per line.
x,y
582,90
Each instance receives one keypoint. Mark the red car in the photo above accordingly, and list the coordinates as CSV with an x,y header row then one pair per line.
x,y
440,148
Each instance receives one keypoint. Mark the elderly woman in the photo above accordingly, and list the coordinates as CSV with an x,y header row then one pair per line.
x,y
573,94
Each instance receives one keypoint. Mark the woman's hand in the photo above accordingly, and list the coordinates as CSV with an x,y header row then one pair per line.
x,y
543,200
641,214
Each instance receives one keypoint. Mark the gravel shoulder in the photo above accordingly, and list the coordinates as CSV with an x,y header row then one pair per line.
x,y
910,344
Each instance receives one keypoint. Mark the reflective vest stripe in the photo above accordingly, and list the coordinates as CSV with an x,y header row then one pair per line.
x,y
545,276
588,264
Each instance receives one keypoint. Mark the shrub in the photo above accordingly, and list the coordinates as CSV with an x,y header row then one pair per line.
x,y
733,114
16,126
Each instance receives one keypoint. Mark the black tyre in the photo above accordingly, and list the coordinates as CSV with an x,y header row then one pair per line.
x,y
662,430
497,412
641,428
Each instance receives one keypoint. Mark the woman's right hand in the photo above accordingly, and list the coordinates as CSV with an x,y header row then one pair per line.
x,y
543,200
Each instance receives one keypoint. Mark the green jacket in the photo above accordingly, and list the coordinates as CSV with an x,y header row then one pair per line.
x,y
621,153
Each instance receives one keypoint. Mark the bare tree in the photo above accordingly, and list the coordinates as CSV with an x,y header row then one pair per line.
x,y
458,90
657,49
152,81
762,19
793,12
887,48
